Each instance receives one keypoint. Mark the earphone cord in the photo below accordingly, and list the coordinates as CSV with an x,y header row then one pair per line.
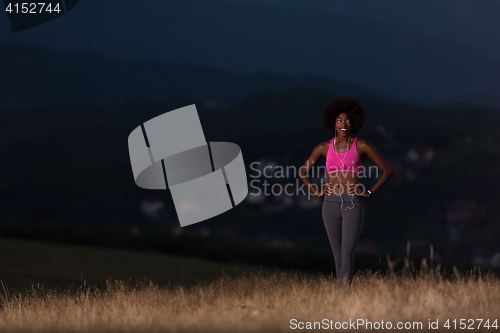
x,y
343,167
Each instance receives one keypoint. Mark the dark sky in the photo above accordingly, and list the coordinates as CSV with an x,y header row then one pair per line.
x,y
423,51
472,22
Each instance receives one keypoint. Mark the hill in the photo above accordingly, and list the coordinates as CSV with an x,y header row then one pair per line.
x,y
55,265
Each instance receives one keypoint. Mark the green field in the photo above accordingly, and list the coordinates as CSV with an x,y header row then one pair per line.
x,y
24,263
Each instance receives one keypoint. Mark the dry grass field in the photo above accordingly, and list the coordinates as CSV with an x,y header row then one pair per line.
x,y
264,302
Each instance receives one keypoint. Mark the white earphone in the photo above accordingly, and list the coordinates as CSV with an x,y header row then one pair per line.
x,y
343,167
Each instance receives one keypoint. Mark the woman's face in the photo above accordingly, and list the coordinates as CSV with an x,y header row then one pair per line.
x,y
343,125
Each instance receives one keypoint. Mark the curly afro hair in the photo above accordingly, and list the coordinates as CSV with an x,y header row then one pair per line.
x,y
341,104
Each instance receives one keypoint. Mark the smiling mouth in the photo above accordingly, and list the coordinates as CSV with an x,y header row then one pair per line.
x,y
343,129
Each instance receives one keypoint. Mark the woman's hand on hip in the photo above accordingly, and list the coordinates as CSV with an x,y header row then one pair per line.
x,y
357,189
326,190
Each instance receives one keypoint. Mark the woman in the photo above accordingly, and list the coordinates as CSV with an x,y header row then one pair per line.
x,y
343,209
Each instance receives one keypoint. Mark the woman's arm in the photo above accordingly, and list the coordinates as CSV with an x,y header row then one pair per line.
x,y
316,155
372,152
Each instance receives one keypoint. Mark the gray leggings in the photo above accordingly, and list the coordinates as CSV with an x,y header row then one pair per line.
x,y
343,227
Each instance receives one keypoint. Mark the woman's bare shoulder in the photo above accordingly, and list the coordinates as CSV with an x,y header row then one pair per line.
x,y
323,146
362,141
363,144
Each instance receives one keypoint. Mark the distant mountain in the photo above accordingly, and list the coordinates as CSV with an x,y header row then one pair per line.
x,y
39,76
369,53
265,124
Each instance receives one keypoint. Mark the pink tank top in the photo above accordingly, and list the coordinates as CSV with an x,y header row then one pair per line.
x,y
352,162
